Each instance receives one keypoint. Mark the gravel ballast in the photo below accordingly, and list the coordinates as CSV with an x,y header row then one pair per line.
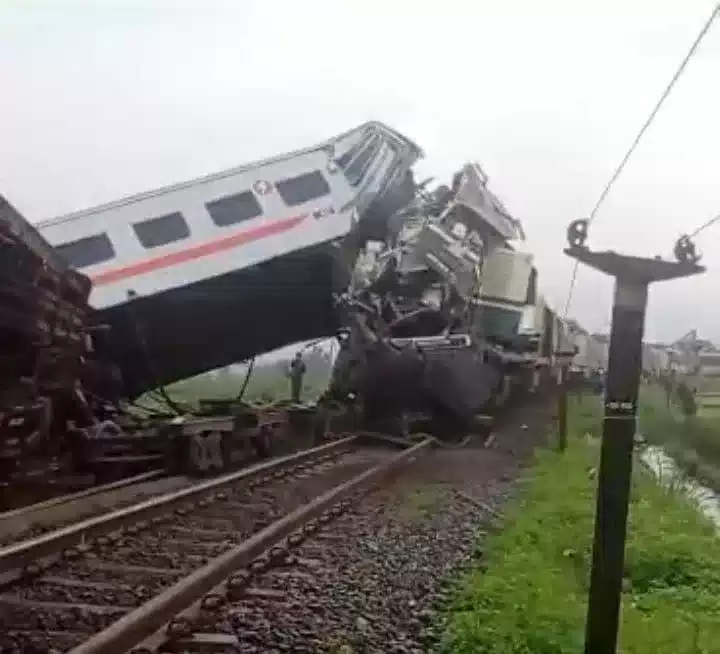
x,y
372,580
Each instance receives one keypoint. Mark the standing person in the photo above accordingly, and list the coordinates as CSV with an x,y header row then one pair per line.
x,y
296,373
598,381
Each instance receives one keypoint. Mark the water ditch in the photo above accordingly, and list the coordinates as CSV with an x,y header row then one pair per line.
x,y
668,474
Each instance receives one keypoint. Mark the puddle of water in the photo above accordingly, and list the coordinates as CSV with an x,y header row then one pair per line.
x,y
668,474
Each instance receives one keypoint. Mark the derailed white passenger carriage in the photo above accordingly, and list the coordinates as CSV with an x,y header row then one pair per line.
x,y
238,218
244,259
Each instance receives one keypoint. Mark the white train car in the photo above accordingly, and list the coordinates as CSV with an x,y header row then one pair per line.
x,y
540,319
709,365
591,353
215,270
508,289
168,238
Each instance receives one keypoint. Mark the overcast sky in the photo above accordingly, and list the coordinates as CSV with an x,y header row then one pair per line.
x,y
103,98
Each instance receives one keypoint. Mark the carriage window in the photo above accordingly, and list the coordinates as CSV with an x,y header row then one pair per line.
x,y
87,251
234,209
358,167
344,159
159,231
303,188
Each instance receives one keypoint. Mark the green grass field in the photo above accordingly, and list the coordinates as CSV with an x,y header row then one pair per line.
x,y
528,593
694,443
267,384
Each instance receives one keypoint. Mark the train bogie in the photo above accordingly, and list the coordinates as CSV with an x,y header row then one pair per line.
x,y
200,446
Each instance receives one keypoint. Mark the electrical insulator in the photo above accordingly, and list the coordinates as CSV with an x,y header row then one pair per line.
x,y
577,233
685,250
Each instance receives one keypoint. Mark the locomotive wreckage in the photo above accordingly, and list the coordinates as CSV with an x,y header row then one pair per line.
x,y
428,293
424,335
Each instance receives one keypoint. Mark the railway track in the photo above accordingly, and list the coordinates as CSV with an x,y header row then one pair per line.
x,y
131,580
34,519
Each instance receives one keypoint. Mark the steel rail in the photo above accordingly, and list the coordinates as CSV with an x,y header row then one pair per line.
x,y
79,495
133,628
14,558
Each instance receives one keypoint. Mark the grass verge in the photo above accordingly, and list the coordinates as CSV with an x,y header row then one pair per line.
x,y
528,594
694,443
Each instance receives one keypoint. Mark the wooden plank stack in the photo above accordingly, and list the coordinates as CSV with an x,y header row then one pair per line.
x,y
43,306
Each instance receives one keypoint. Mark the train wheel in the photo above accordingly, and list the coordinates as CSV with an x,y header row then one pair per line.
x,y
448,430
197,455
321,427
206,453
100,441
503,393
238,447
404,425
217,446
263,442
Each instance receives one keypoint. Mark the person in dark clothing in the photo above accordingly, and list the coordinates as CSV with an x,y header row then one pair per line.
x,y
296,374
686,399
597,381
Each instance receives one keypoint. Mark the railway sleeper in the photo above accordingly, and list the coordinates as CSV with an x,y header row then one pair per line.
x,y
97,581
206,593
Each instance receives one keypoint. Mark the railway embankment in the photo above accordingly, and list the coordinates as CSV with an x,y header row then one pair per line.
x,y
527,588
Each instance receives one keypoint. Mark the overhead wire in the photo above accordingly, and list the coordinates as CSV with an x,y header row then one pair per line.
x,y
648,122
704,226
686,240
